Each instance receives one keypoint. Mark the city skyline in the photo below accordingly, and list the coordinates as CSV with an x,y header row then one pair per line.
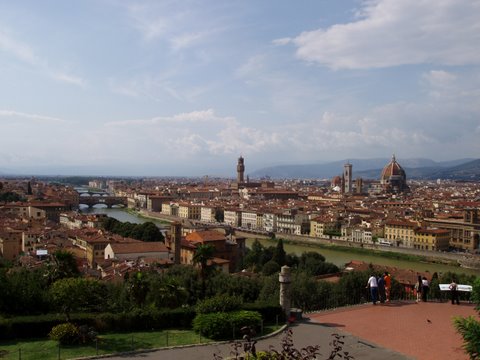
x,y
168,88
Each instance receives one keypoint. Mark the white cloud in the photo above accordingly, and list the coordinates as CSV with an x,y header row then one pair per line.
x,y
282,41
70,79
21,51
252,67
196,132
392,33
26,54
186,40
440,77
181,26
200,116
32,117
144,19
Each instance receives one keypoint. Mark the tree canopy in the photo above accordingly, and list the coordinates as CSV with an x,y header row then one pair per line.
x,y
147,231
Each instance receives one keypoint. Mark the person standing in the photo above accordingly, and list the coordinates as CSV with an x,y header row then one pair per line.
x,y
388,285
454,292
418,288
425,288
381,289
372,283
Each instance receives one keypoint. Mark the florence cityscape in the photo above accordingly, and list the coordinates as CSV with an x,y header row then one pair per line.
x,y
222,180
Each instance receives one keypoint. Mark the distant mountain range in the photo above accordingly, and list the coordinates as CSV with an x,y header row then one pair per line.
x,y
461,169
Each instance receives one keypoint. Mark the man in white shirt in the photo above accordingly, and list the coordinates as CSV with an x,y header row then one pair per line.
x,y
372,282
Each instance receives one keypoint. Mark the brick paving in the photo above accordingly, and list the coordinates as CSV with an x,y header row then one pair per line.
x,y
423,331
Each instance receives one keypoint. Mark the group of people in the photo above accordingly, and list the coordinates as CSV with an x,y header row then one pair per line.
x,y
422,287
380,287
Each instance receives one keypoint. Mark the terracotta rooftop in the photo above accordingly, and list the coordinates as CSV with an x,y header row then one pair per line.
x,y
207,235
138,247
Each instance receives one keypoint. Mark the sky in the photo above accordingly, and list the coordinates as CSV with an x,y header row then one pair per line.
x,y
173,88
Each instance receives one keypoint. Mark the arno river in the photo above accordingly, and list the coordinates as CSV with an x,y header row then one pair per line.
x,y
339,258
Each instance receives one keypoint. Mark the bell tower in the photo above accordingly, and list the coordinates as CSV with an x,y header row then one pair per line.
x,y
347,173
240,170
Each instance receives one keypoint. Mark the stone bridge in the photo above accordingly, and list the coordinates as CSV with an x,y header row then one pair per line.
x,y
90,201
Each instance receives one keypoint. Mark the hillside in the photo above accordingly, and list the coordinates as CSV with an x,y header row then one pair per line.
x,y
370,169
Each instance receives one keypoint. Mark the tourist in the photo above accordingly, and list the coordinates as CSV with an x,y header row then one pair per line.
x,y
454,292
418,288
381,289
425,288
388,284
372,283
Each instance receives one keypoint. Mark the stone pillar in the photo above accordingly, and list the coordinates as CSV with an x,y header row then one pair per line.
x,y
285,279
176,241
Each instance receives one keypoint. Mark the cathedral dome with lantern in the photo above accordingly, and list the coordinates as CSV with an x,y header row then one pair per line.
x,y
393,178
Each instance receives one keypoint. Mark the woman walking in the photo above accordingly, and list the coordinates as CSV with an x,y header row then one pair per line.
x,y
418,288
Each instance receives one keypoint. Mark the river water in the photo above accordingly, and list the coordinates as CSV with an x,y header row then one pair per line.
x,y
339,258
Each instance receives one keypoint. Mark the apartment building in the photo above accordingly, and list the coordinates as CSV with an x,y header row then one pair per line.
x,y
249,220
155,202
400,232
320,225
170,209
464,233
189,211
361,235
207,214
292,221
232,217
431,239
10,243
269,220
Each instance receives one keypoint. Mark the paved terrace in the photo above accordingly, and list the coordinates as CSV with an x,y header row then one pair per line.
x,y
397,331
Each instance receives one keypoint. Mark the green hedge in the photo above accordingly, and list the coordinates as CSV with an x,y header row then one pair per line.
x,y
219,303
136,320
36,326
222,326
268,311
139,319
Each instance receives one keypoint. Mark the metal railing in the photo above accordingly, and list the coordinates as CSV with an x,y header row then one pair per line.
x,y
342,300
114,343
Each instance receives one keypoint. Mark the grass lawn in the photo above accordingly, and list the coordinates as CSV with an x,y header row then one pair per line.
x,y
41,349
107,344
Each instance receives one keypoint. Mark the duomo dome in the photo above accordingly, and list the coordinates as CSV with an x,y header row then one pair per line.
x,y
393,177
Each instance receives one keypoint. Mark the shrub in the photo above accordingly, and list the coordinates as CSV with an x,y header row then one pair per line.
x,y
469,328
86,334
219,303
220,326
65,333
269,311
270,268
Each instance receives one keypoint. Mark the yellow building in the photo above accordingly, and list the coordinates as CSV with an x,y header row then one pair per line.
x,y
10,244
189,211
464,233
320,225
400,232
431,239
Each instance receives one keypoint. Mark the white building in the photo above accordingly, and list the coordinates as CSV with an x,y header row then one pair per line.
x,y
232,217
269,222
207,214
249,219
